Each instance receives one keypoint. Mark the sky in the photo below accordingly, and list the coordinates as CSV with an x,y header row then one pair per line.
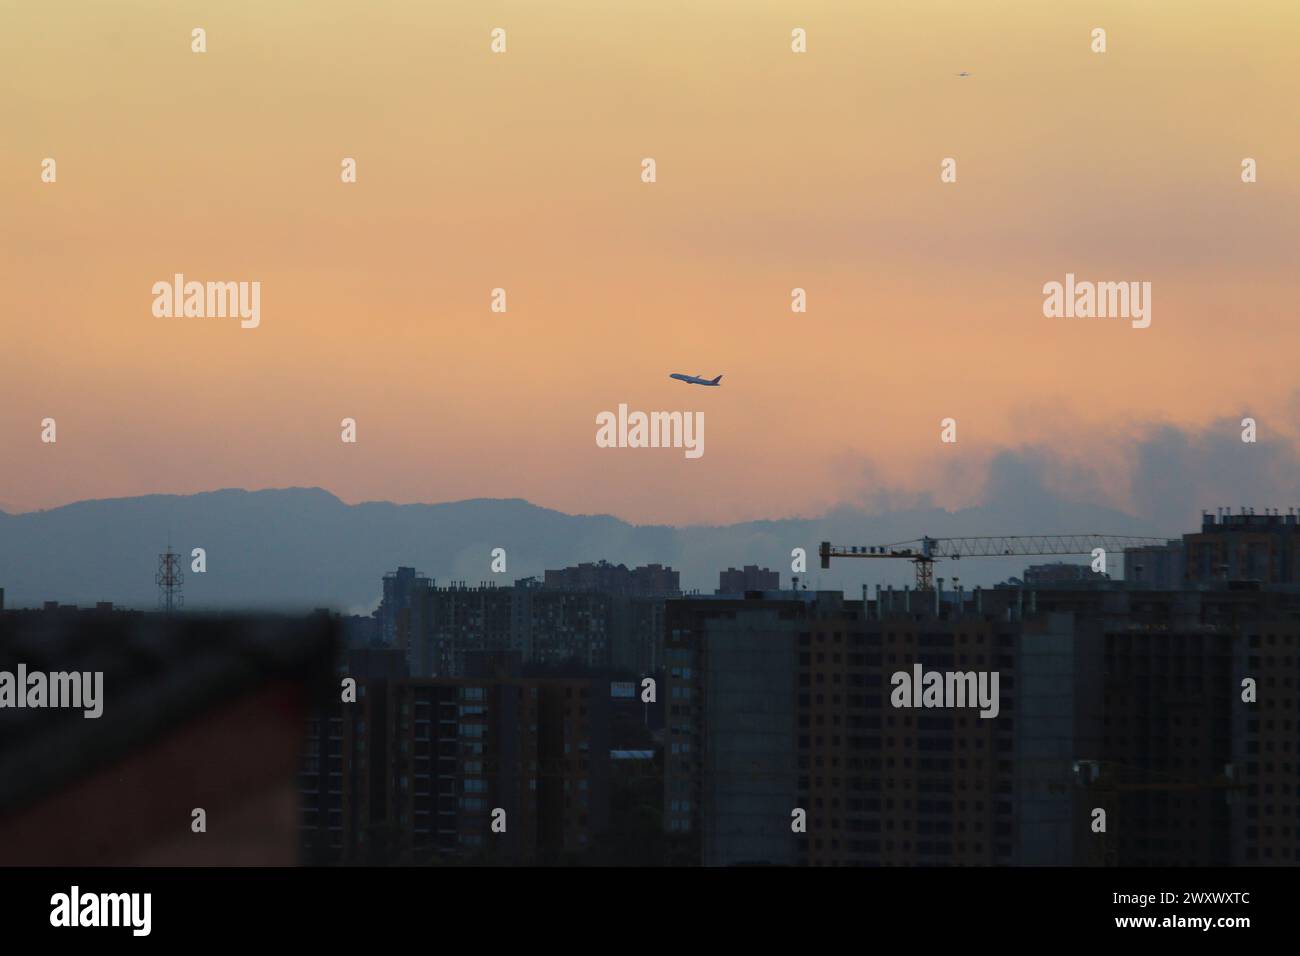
x,y
522,171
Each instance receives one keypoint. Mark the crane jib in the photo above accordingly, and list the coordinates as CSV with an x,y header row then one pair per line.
x,y
925,550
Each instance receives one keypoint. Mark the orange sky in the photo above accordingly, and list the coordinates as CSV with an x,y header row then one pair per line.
x,y
521,170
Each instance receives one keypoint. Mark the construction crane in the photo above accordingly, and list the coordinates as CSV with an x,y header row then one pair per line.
x,y
923,552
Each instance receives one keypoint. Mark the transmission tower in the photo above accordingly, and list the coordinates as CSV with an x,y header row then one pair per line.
x,y
168,579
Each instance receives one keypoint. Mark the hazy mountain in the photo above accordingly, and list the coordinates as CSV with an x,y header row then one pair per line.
x,y
302,547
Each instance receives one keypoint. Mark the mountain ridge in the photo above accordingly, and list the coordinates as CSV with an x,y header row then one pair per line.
x,y
302,547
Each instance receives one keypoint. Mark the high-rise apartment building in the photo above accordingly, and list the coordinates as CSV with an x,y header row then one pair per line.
x,y
1126,701
421,770
438,628
1245,547
750,578
651,580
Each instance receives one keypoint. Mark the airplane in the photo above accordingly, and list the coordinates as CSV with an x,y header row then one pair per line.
x,y
695,379
963,73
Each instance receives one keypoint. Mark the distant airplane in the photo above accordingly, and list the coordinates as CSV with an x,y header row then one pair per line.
x,y
963,73
695,379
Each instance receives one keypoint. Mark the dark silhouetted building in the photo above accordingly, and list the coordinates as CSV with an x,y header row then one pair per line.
x,y
414,770
400,588
1125,700
1244,547
782,704
1060,572
578,629
387,662
651,580
749,578
1158,567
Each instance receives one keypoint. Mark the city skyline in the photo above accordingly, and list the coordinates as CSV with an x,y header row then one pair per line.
x,y
304,548
576,435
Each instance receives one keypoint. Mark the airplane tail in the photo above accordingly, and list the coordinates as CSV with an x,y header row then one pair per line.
x,y
716,380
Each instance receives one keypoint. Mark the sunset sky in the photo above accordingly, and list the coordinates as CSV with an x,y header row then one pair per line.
x,y
522,171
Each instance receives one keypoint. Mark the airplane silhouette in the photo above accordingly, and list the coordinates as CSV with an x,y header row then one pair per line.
x,y
695,379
